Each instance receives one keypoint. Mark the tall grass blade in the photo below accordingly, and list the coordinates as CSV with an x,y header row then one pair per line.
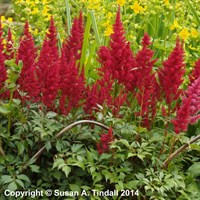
x,y
96,32
85,42
69,23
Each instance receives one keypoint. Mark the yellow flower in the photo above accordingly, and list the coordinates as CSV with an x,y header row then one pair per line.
x,y
109,15
137,8
194,33
121,2
10,19
108,31
44,1
48,17
94,4
184,34
35,11
3,18
166,2
45,11
175,25
35,32
28,2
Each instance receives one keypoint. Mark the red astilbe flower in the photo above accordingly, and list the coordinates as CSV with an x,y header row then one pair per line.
x,y
148,88
48,68
9,51
196,72
72,88
71,83
118,58
188,113
99,94
183,116
3,73
52,38
73,45
193,92
105,140
27,53
171,75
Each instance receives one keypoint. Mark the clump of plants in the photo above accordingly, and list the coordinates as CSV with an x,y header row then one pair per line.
x,y
134,125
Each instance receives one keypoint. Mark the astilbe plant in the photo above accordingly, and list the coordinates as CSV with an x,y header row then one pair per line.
x,y
73,44
193,92
9,47
115,74
188,113
117,58
48,68
183,116
171,75
72,88
27,53
99,94
71,84
148,89
3,73
105,140
195,72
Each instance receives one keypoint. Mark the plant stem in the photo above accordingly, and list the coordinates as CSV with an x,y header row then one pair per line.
x,y
178,151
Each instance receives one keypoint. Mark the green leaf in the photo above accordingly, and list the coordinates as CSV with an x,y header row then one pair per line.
x,y
23,177
74,187
95,28
66,169
119,186
90,156
4,110
20,147
17,101
125,142
48,145
140,156
79,164
105,156
85,42
58,162
69,24
51,115
195,147
130,154
92,169
96,177
34,168
76,148
195,169
20,183
6,179
107,174
12,186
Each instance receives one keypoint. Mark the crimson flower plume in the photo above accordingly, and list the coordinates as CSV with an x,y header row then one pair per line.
x,y
171,75
105,140
3,73
196,72
27,53
48,68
